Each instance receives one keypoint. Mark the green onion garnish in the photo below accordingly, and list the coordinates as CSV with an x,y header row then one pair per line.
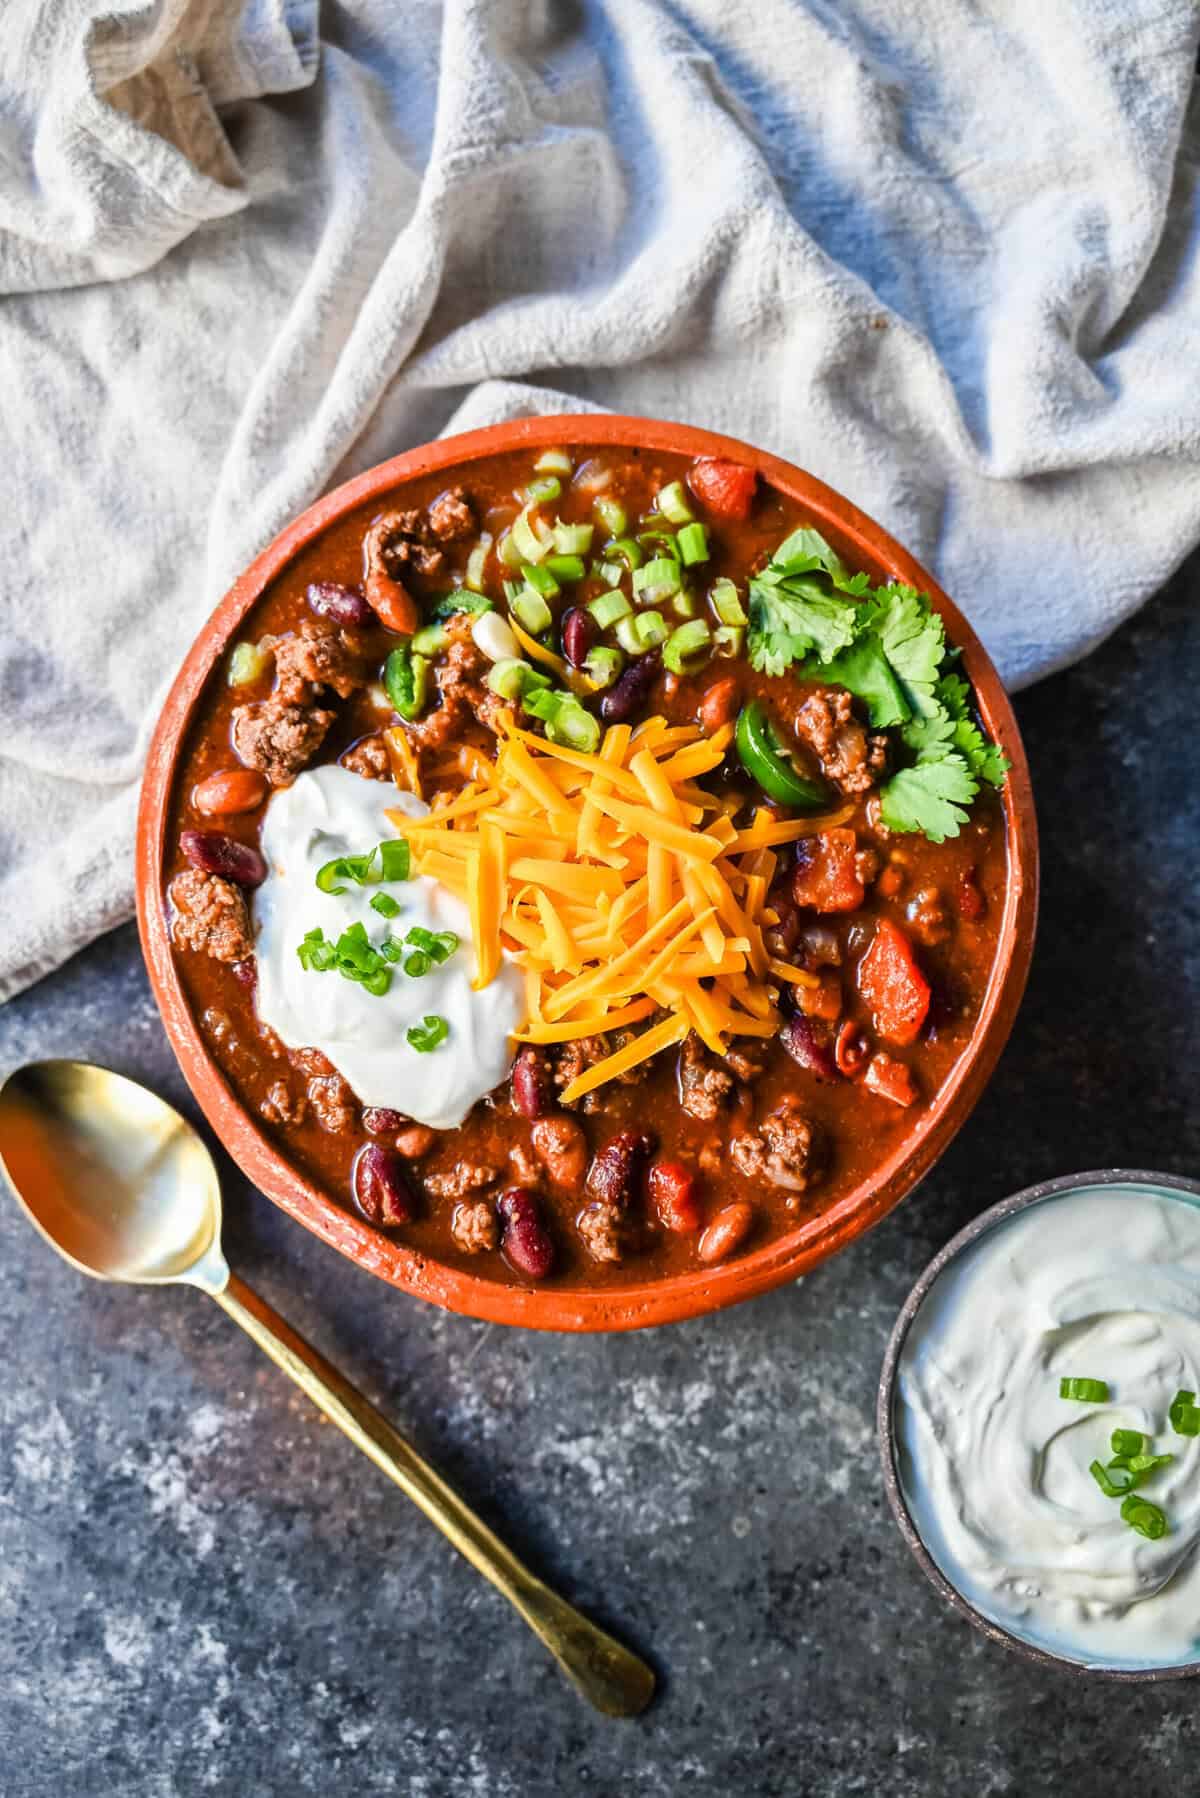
x,y
390,949
439,946
1088,1392
428,1034
1185,1414
1129,1442
1111,1488
417,962
693,545
1147,1519
1147,1463
385,905
393,864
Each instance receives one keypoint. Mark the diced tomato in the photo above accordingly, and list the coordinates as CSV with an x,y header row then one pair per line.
x,y
890,1079
673,1193
826,877
726,488
893,985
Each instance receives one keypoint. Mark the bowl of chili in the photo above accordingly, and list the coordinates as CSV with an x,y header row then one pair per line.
x,y
678,885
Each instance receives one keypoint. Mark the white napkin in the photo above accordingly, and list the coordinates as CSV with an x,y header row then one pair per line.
x,y
941,252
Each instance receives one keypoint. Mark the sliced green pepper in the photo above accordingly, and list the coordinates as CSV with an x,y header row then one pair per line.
x,y
765,760
406,681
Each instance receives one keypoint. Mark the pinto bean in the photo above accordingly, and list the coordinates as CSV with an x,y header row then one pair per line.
x,y
415,1141
380,1185
214,853
526,1244
531,1083
727,1231
228,791
579,633
621,702
719,704
561,1147
616,1165
345,605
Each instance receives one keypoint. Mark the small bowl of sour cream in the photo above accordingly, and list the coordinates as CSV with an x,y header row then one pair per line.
x,y
1040,1427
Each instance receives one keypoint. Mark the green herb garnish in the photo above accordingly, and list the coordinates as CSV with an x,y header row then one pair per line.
x,y
1185,1414
1147,1519
429,1034
385,905
1125,1481
1088,1392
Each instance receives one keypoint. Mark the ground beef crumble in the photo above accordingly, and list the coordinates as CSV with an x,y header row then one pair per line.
x,y
474,1227
210,915
317,655
450,516
332,1102
280,1105
600,1227
463,1177
849,758
785,1148
278,738
369,757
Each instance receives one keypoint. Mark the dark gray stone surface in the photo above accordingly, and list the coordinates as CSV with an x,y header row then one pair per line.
x,y
203,1588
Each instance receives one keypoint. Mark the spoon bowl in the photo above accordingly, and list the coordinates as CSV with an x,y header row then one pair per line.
x,y
121,1185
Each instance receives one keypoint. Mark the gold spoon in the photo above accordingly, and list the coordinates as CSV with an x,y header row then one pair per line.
x,y
121,1185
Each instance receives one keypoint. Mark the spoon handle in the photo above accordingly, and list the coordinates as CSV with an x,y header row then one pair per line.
x,y
608,1675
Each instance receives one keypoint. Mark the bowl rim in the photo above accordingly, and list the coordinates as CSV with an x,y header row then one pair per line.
x,y
885,1413
697,1291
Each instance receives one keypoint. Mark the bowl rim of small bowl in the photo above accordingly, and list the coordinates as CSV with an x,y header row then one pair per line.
x,y
885,1412
697,1291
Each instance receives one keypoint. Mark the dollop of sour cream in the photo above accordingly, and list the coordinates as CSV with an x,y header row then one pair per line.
x,y
331,812
1101,1284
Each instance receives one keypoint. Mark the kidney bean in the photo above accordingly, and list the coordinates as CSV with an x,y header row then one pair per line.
x,y
230,790
621,702
673,1192
245,972
579,633
851,1051
561,1147
719,704
525,1244
345,605
213,853
616,1164
807,1044
531,1085
971,903
381,1189
381,1120
727,1231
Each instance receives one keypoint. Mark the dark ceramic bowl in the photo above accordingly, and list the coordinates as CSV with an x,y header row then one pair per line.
x,y
886,1411
554,1307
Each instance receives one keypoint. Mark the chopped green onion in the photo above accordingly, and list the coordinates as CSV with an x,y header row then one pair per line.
x,y
345,867
460,600
726,603
606,608
573,539
540,579
539,492
429,640
406,678
1112,1488
688,647
574,727
1088,1392
477,563
693,544
1185,1414
1147,1519
1128,1442
507,677
533,539
728,640
390,949
429,1034
554,461
445,944
603,665
378,982
672,503
385,905
248,662
417,962
611,514
566,568
1147,1463
612,573
643,631
624,550
531,610
396,859
682,604
657,580
508,550
668,540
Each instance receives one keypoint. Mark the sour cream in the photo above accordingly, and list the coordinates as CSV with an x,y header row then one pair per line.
x,y
331,812
1101,1284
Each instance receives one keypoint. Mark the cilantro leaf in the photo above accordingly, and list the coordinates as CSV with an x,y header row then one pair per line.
x,y
913,638
986,760
788,618
931,797
865,671
806,550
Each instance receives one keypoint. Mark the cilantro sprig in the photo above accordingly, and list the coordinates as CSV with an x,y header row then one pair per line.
x,y
887,646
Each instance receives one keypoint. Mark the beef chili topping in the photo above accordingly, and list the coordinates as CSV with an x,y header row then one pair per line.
x,y
730,808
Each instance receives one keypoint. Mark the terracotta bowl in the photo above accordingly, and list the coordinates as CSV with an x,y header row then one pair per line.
x,y
862,543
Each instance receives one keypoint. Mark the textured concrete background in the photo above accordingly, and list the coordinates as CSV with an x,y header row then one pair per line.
x,y
204,1589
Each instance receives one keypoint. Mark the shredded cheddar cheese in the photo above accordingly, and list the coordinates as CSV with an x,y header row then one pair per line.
x,y
620,886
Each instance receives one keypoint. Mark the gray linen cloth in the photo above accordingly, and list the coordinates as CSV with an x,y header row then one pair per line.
x,y
941,252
